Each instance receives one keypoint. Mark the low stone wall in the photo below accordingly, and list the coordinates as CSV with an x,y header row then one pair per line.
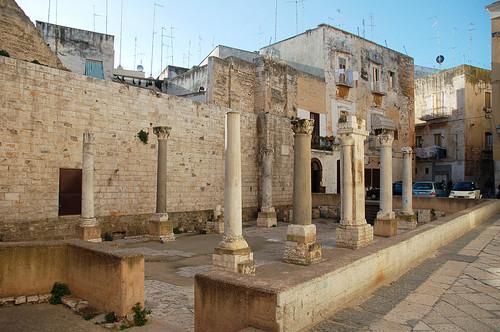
x,y
443,204
310,294
108,281
325,200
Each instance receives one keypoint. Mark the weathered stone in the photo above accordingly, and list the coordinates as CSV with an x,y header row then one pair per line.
x,y
43,298
20,300
7,300
32,299
233,253
70,301
353,232
316,213
423,216
82,305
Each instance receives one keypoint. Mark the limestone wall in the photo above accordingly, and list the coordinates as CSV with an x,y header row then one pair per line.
x,y
19,37
110,282
44,112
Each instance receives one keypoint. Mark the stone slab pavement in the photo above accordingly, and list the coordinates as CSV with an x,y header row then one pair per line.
x,y
458,289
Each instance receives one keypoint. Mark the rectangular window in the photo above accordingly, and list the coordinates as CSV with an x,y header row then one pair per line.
x,y
315,117
375,73
342,63
487,99
392,79
437,139
419,141
70,191
94,68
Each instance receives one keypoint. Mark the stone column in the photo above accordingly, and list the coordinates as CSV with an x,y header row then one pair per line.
x,y
353,231
406,215
233,253
386,223
267,214
88,229
160,228
301,246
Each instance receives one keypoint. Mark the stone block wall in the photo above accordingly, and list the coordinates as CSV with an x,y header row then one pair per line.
x,y
19,37
44,112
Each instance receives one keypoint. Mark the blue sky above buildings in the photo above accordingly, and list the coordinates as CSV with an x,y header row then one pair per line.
x,y
457,29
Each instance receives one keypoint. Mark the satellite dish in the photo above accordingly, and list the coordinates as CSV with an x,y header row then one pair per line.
x,y
440,59
140,68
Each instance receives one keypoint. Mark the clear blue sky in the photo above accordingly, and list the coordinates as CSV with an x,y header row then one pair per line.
x,y
458,29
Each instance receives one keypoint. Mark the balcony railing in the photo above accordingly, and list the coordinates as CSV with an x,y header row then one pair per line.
x,y
431,152
378,87
322,143
344,77
436,113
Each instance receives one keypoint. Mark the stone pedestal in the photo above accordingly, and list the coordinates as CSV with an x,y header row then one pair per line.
x,y
406,215
353,231
88,229
233,253
301,246
386,223
160,227
267,217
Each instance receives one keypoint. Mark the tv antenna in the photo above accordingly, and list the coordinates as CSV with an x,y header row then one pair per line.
x,y
95,15
371,25
189,53
48,16
470,30
161,48
200,40
275,19
121,30
153,37
107,17
297,2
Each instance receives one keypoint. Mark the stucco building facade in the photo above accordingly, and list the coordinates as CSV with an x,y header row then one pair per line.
x,y
455,126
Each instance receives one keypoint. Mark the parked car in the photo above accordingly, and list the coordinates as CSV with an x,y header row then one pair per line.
x,y
429,189
397,188
373,193
465,189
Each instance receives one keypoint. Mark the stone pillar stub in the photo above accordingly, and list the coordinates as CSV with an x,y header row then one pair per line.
x,y
386,223
88,229
301,246
406,215
233,253
160,227
353,231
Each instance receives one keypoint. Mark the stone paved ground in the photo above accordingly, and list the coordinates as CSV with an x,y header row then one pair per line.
x,y
456,290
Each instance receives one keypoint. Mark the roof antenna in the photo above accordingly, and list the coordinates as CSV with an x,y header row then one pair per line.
x,y
153,37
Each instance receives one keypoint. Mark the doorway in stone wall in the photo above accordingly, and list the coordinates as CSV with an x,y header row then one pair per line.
x,y
70,191
316,176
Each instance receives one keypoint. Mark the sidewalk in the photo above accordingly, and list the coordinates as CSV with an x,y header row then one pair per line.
x,y
456,290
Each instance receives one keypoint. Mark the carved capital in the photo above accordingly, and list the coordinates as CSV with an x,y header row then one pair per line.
x,y
346,140
406,150
386,138
88,138
265,151
303,126
163,132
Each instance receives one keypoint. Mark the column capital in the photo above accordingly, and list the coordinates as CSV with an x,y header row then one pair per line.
x,y
386,138
406,150
265,151
163,132
346,140
303,126
88,137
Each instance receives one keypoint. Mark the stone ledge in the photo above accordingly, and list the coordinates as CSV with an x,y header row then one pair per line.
x,y
292,298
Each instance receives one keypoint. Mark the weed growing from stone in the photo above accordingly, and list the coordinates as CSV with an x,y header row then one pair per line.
x,y
110,317
140,315
58,291
143,136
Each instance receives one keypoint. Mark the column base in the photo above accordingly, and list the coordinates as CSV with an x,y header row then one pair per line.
x,y
354,236
301,247
89,230
407,220
160,228
234,260
267,218
385,227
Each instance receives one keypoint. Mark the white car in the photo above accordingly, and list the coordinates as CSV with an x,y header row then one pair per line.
x,y
465,189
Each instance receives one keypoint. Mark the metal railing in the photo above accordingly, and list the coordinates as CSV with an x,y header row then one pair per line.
x,y
344,77
378,87
436,113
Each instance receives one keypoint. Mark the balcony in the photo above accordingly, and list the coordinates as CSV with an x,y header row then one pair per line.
x,y
431,152
436,113
322,143
344,77
379,88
